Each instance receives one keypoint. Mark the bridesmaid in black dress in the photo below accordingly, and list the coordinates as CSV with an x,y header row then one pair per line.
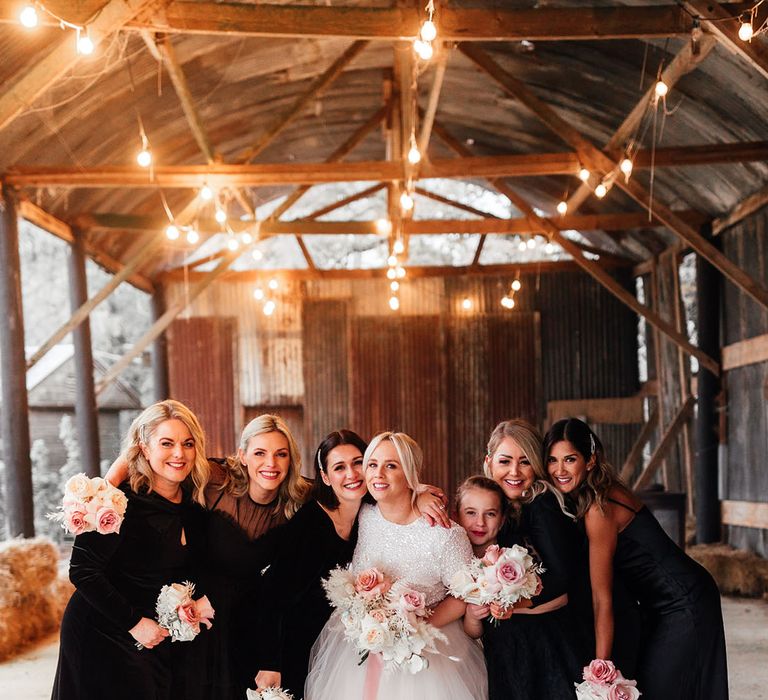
x,y
682,649
119,576
537,652
320,537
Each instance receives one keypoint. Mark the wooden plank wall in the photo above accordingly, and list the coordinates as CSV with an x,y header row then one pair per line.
x,y
745,478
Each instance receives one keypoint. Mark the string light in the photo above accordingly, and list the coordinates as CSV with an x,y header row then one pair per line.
x,y
383,226
171,233
522,246
661,88
414,154
746,31
600,191
626,167
192,236
273,284
406,201
428,31
391,273
233,244
562,207
394,286
206,193
584,174
392,260
398,247
144,157
394,303
257,254
220,216
549,248
516,285
508,300
531,243
466,303
246,238
258,294
269,307
423,49
400,272
85,45
28,17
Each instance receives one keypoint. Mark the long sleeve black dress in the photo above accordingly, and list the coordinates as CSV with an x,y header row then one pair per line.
x,y
682,651
118,578
310,548
534,656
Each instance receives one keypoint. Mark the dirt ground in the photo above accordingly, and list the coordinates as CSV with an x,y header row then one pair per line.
x,y
30,676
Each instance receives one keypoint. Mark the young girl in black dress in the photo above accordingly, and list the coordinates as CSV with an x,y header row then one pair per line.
x,y
682,650
119,576
537,652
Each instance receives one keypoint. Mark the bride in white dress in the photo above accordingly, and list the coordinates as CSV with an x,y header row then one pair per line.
x,y
396,539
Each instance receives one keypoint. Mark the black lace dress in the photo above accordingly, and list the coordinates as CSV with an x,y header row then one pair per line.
x,y
118,578
536,656
682,650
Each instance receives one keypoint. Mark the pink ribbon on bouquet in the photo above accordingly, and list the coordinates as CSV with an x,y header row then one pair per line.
x,y
373,669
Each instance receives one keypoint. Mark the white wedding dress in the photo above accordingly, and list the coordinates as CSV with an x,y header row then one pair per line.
x,y
426,557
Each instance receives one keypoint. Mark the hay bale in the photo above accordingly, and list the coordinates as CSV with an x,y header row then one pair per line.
x,y
736,571
33,562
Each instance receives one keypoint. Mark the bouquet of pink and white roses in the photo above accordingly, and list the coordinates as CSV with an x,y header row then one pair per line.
x,y
385,616
603,681
178,613
268,694
504,575
91,504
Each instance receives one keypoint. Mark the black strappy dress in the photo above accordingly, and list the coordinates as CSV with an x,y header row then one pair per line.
x,y
682,651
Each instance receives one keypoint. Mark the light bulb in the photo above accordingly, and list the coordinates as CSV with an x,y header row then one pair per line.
x,y
246,238
531,243
562,208
584,174
258,294
233,244
521,246
383,227
144,158
257,254
391,273
206,193
549,248
85,45
516,285
392,260
428,31
505,302
269,307
398,247
626,166
394,286
511,304
171,233
394,303
272,284
661,88
414,155
745,31
28,17
466,304
423,49
192,236
406,201
220,216
600,191
400,272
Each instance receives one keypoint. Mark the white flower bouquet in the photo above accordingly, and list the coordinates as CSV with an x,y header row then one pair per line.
x,y
504,575
383,616
268,694
91,504
178,613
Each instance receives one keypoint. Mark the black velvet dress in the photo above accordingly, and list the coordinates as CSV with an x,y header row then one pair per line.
x,y
118,578
682,651
535,656
310,548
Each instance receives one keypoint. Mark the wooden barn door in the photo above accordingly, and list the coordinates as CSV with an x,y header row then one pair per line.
x,y
202,369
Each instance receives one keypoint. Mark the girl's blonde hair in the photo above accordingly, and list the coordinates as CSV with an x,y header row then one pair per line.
x,y
140,474
408,452
530,441
294,490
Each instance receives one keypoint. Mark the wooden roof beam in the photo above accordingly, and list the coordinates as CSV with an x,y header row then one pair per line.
x,y
743,209
595,159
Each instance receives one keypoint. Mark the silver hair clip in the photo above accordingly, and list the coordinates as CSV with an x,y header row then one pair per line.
x,y
591,444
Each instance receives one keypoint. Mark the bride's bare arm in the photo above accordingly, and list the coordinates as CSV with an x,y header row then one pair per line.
x,y
118,471
447,610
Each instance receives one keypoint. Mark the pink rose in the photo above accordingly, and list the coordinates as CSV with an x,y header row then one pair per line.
x,y
371,582
205,611
74,519
600,671
189,614
492,554
413,602
379,615
510,572
623,690
107,521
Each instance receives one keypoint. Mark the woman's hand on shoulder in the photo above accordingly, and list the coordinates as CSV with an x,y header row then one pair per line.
x,y
118,471
148,633
432,504
267,679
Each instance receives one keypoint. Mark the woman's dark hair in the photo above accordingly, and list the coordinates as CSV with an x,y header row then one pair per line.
x,y
600,479
321,492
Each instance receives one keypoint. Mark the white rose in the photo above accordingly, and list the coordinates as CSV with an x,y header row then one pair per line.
x,y
79,487
417,663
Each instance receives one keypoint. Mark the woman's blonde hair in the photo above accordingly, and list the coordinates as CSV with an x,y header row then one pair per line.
x,y
293,492
140,474
408,452
530,441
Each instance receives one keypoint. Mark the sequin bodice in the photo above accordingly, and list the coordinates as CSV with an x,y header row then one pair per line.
x,y
424,556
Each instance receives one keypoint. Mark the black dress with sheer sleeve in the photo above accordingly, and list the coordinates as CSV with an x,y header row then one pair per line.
x,y
534,656
309,549
117,579
682,650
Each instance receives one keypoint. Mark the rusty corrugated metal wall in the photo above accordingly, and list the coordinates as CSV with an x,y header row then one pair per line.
x,y
745,477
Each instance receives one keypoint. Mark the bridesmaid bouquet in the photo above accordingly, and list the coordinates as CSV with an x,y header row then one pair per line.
x,y
603,681
178,613
385,616
91,504
268,694
504,575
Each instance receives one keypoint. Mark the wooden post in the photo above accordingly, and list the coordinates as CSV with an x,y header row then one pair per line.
x,y
706,426
161,388
86,415
15,408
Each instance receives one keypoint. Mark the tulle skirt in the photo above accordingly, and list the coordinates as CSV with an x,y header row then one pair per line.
x,y
456,673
